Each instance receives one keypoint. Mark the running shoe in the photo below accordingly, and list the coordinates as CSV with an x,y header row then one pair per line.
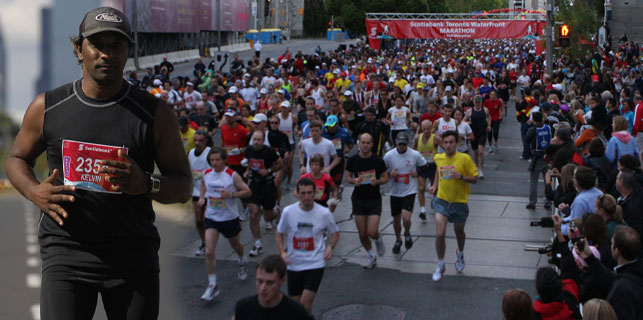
x,y
397,246
200,250
459,264
548,206
242,271
370,262
408,242
245,213
379,245
531,206
480,174
256,250
210,292
422,214
438,273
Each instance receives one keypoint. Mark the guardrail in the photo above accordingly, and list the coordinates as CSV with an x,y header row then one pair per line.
x,y
181,56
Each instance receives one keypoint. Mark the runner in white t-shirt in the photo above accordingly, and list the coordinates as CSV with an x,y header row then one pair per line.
x,y
444,124
301,228
401,164
399,117
199,162
317,144
464,131
219,188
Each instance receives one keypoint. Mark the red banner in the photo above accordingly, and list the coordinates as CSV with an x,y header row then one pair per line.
x,y
452,29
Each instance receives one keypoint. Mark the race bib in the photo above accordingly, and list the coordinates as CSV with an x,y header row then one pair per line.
x,y
217,203
399,115
403,178
232,150
319,193
81,162
303,237
256,164
197,175
366,176
337,142
447,171
428,155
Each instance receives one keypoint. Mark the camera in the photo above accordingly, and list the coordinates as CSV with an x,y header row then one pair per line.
x,y
545,222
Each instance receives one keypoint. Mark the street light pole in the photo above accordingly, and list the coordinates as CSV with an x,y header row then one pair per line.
x,y
550,36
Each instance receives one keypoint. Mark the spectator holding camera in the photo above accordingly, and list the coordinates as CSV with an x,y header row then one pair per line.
x,y
626,293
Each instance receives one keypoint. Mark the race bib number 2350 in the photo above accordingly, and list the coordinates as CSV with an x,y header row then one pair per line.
x,y
82,162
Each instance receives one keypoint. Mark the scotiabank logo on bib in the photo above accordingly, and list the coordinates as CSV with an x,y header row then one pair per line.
x,y
82,161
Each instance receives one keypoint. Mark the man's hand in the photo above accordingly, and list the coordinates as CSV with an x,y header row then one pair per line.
x,y
328,253
586,253
558,222
201,202
393,174
263,172
126,176
225,194
413,174
284,255
302,169
357,181
374,182
563,206
433,189
47,197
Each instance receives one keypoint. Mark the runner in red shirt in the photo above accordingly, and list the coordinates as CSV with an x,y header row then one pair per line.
x,y
432,113
324,185
233,139
496,109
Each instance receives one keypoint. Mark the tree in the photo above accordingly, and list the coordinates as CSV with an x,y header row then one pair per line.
x,y
583,24
315,18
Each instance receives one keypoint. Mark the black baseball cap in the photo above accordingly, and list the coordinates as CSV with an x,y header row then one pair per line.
x,y
105,19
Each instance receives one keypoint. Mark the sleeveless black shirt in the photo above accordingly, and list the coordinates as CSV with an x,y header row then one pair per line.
x,y
104,231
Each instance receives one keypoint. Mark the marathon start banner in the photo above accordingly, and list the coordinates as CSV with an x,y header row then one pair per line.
x,y
452,29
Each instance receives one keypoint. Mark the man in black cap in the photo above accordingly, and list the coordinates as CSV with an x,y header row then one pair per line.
x,y
102,137
377,130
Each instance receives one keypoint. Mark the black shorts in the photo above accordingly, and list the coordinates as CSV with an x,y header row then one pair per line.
x,y
479,139
265,196
298,281
366,206
427,171
394,134
69,293
402,203
228,228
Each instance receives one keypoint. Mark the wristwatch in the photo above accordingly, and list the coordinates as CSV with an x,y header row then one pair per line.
x,y
155,183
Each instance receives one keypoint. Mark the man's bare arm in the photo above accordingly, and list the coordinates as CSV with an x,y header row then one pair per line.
x,y
22,156
170,157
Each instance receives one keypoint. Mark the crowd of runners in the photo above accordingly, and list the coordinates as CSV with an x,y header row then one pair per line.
x,y
420,116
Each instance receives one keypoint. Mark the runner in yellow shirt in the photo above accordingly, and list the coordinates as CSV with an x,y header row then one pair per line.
x,y
425,145
454,172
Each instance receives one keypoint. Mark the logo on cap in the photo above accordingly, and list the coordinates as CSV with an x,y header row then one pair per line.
x,y
108,17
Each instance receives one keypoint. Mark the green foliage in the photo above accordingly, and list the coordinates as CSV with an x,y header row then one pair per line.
x,y
315,18
583,24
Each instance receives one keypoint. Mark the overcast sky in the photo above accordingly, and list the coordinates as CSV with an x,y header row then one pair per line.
x,y
20,21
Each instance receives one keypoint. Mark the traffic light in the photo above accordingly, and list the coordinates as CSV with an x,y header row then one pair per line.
x,y
563,40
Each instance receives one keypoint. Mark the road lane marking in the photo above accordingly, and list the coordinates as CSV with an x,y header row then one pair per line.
x,y
35,311
33,262
32,249
33,280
